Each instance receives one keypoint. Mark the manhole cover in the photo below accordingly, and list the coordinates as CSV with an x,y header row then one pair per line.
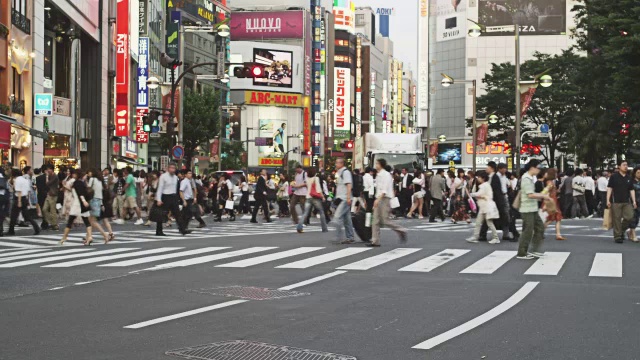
x,y
249,350
250,293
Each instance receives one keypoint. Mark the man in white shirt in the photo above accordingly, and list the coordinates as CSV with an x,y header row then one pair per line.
x,y
590,190
21,188
368,184
167,198
579,200
382,207
602,184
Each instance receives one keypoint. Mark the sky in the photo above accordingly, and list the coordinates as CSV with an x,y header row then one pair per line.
x,y
402,27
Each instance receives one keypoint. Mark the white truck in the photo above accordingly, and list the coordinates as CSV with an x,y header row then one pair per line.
x,y
400,151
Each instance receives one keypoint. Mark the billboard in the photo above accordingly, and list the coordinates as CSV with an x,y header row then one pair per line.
x,y
123,67
276,130
342,107
344,13
448,153
451,19
536,17
258,25
278,68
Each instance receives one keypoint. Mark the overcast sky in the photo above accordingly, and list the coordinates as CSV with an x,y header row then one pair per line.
x,y
402,27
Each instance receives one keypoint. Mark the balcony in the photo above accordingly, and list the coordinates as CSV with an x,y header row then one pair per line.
x,y
20,21
17,107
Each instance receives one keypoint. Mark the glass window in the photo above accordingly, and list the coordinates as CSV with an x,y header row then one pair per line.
x,y
359,19
48,57
17,85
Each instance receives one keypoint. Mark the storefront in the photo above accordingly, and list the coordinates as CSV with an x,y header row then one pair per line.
x,y
127,154
56,152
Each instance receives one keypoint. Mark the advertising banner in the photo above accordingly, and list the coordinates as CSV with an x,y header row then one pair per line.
x,y
173,35
123,65
258,25
451,19
526,96
449,154
278,67
535,17
342,107
481,135
423,65
141,135
273,155
272,99
344,15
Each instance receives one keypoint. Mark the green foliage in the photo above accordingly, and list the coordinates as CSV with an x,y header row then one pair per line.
x,y
201,120
234,159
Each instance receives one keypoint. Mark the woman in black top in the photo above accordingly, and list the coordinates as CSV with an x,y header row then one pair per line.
x,y
79,205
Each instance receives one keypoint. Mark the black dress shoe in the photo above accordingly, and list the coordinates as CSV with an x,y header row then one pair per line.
x,y
373,245
253,221
161,234
269,221
11,233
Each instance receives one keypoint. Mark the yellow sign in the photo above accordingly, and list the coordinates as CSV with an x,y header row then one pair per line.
x,y
277,162
273,99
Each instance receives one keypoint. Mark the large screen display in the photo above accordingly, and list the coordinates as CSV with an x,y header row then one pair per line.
x,y
448,153
278,68
536,17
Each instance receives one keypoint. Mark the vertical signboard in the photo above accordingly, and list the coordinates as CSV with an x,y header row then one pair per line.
x,y
400,107
358,87
342,107
142,17
173,35
451,19
423,64
142,98
307,56
344,15
122,69
372,102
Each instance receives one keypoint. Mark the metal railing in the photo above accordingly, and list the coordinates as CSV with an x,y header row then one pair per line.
x,y
17,107
20,21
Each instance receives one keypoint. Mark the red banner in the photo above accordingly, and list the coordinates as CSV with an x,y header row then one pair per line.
x,y
525,100
213,150
306,126
166,103
122,69
481,135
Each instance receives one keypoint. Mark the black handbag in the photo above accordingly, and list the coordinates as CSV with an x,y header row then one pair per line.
x,y
157,214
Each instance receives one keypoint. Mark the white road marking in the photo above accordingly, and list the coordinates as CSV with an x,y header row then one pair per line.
x,y
184,314
22,252
149,259
490,263
378,260
606,265
435,261
63,257
31,256
15,245
311,281
94,260
549,264
209,258
474,323
321,259
270,257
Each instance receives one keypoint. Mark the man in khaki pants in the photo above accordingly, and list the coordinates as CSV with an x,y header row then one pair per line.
x,y
49,212
622,202
382,206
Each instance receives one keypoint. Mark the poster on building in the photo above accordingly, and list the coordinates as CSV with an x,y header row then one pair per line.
x,y
261,25
344,15
278,67
276,130
342,106
536,17
123,65
451,19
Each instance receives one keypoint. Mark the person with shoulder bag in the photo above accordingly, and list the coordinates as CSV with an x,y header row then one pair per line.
x,y
487,209
315,198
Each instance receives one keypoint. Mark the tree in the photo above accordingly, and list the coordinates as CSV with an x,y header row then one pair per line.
x,y
201,118
232,152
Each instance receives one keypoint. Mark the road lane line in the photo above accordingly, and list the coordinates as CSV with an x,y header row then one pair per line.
x,y
149,259
378,260
94,260
321,259
15,245
209,258
490,263
270,257
606,265
549,264
474,323
22,252
311,281
63,257
435,261
185,314
31,256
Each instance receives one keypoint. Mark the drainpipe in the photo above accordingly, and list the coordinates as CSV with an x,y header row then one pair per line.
x,y
74,81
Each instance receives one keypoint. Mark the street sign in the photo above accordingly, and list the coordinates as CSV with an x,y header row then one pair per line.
x,y
264,141
544,128
537,134
154,135
43,104
177,152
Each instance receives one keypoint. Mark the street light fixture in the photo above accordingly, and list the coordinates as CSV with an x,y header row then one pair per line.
x,y
545,81
153,83
442,138
493,119
224,30
447,80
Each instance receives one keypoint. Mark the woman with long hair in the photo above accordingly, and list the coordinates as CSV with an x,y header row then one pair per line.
x,y
418,194
67,185
79,206
635,176
554,214
487,209
152,187
94,182
244,207
283,196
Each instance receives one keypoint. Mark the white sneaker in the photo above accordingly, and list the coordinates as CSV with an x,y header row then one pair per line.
x,y
118,221
473,240
139,222
536,254
494,241
526,257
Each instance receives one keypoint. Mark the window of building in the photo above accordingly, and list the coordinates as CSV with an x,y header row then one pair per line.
x,y
48,57
359,19
61,68
17,85
20,6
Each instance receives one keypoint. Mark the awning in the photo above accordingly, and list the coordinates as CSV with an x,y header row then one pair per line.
x,y
4,119
127,160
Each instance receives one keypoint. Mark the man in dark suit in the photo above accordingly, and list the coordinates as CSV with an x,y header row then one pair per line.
x,y
260,195
499,198
406,190
41,187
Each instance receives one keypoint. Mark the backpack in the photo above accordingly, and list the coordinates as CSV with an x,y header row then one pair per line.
x,y
358,186
3,183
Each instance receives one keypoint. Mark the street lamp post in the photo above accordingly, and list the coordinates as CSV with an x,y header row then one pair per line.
x,y
448,81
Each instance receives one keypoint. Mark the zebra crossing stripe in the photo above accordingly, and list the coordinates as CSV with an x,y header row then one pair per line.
x,y
435,261
321,259
16,245
209,258
31,256
490,263
94,260
378,260
149,259
270,257
22,252
606,265
549,264
62,257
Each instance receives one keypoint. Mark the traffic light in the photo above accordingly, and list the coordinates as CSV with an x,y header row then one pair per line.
x,y
168,62
347,145
308,152
250,70
623,115
150,123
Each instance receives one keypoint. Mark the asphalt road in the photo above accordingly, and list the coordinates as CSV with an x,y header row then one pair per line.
x,y
435,297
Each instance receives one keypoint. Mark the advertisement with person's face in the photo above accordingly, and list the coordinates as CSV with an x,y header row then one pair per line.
x,y
535,17
277,131
278,68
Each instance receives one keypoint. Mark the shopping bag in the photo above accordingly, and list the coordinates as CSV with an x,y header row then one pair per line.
x,y
395,203
517,201
492,210
472,205
607,224
229,204
367,219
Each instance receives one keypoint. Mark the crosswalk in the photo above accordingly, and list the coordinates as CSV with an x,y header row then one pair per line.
x,y
403,260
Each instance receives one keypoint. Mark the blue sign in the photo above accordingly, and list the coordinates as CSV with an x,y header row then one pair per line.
x,y
177,152
43,104
544,128
143,72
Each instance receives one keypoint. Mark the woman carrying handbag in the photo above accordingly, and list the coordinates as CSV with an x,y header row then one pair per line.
x,y
487,209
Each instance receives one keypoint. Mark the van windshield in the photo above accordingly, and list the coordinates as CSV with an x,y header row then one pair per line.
x,y
398,161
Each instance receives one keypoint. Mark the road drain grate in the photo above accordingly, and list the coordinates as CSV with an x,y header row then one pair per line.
x,y
250,293
249,350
